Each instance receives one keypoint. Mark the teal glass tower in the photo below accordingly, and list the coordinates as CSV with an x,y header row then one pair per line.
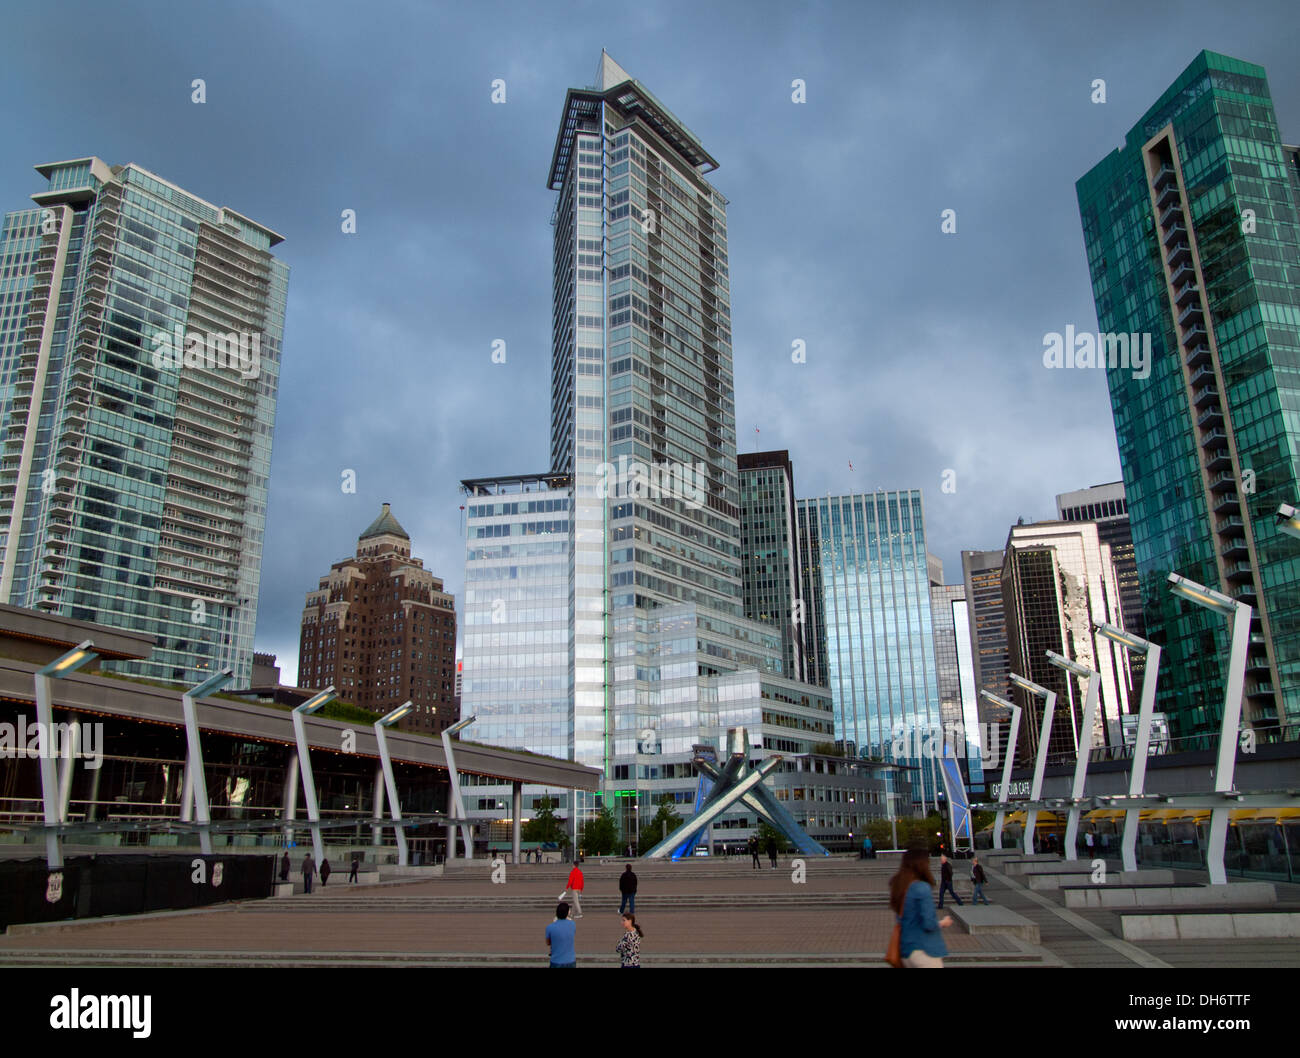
x,y
139,365
1193,237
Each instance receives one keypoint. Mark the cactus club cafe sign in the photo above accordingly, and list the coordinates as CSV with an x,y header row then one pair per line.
x,y
1018,790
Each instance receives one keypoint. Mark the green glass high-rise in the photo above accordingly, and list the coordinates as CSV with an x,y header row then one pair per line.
x,y
140,331
1193,237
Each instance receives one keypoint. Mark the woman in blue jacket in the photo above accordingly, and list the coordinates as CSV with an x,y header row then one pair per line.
x,y
911,895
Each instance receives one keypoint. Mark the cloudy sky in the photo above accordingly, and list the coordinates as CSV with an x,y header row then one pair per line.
x,y
924,349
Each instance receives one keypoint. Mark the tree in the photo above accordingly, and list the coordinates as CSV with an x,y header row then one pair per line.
x,y
546,826
600,834
765,831
653,832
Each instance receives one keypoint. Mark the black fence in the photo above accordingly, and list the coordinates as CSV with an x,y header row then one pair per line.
x,y
93,886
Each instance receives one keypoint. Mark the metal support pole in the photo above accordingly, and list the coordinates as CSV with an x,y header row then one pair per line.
x,y
1040,766
390,783
1006,776
1224,772
49,788
290,798
1081,764
1138,774
376,828
308,786
67,763
516,810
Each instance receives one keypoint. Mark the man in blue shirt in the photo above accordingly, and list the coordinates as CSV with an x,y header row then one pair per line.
x,y
560,938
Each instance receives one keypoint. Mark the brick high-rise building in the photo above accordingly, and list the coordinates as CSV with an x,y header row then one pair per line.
x,y
381,630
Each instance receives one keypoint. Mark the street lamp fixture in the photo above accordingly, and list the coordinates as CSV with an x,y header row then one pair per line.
x,y
1044,738
55,811
1234,685
314,704
1137,776
390,783
195,794
455,805
1012,738
1288,519
1082,746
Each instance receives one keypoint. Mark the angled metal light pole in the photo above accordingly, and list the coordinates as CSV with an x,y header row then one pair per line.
x,y
390,783
1040,763
1006,764
195,794
1083,748
311,705
456,807
1224,772
1138,774
68,663
1288,520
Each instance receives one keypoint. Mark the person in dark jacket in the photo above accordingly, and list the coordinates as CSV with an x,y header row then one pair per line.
x,y
324,872
753,852
285,868
627,886
771,850
945,881
356,866
978,878
308,870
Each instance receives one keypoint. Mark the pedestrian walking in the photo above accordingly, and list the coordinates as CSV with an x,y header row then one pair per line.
x,y
771,850
308,870
1087,840
945,883
352,871
562,940
911,895
629,948
627,886
753,852
574,886
324,872
285,867
978,878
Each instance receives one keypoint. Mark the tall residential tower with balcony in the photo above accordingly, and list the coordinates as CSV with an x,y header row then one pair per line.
x,y
140,336
1193,238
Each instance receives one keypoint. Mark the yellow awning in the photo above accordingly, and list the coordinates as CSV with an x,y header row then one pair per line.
x,y
1285,813
1098,813
1166,814
1191,815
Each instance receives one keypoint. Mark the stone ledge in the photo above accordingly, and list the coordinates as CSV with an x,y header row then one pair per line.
x,y
981,921
1230,925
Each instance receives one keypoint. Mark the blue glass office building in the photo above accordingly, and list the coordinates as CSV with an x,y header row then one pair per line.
x,y
874,633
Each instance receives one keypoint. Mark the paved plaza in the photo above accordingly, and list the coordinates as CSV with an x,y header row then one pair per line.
x,y
705,912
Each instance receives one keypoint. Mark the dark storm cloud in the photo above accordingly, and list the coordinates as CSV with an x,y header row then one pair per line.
x,y
924,349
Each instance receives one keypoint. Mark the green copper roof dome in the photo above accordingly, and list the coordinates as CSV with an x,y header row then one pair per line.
x,y
385,525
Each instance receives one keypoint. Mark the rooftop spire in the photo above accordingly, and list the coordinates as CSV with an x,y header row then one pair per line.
x,y
609,73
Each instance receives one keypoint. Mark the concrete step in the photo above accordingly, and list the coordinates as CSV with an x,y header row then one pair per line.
x,y
1057,879
1205,925
211,958
540,902
1185,894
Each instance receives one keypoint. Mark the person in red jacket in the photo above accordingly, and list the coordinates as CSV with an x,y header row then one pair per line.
x,y
574,886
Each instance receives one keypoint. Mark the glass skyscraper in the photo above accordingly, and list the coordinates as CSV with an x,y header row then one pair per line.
x,y
140,332
1058,580
659,655
1193,237
769,539
878,650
